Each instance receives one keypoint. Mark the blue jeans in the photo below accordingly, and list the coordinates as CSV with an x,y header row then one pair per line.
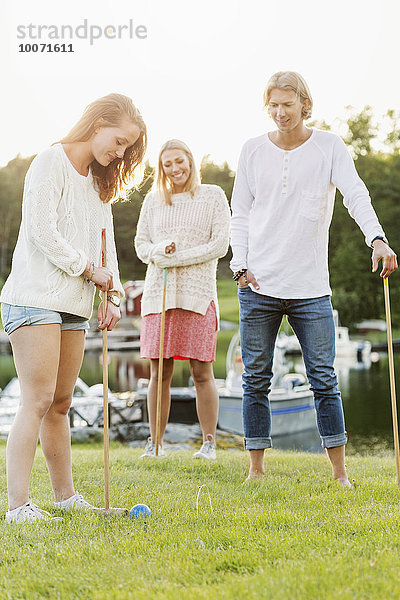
x,y
312,322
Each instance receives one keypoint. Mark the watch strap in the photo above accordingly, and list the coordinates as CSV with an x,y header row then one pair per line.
x,y
111,298
379,237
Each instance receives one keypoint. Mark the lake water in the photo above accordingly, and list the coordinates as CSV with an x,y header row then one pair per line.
x,y
365,391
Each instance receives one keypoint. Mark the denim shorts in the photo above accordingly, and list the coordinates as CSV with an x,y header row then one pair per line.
x,y
18,316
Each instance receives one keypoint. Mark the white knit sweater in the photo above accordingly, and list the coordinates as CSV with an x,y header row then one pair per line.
x,y
62,219
199,226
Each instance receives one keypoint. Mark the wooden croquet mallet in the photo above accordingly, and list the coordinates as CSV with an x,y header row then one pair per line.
x,y
160,364
105,384
392,378
107,509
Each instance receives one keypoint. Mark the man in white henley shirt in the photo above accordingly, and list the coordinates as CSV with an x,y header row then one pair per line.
x,y
282,206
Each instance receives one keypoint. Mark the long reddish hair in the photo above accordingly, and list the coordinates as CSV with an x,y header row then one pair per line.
x,y
111,109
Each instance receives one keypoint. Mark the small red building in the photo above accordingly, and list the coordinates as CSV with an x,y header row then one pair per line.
x,y
133,294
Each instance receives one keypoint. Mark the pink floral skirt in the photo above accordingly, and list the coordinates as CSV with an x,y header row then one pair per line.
x,y
187,335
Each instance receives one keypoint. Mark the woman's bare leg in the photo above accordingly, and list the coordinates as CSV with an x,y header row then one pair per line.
x,y
36,350
55,435
207,400
168,370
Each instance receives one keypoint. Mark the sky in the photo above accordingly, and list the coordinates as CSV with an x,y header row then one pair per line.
x,y
199,73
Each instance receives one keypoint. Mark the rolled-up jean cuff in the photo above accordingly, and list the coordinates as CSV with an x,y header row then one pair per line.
x,y
333,441
259,443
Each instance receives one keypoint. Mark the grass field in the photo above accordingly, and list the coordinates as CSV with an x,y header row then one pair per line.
x,y
228,300
296,535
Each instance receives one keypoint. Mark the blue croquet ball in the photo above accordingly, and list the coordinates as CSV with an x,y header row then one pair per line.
x,y
139,510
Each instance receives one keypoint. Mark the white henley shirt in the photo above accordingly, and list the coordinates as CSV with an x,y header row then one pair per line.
x,y
282,206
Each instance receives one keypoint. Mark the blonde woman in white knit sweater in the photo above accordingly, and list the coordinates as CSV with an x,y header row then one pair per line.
x,y
183,226
48,296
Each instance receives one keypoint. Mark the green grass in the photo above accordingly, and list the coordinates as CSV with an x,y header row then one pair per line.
x,y
296,535
228,300
378,337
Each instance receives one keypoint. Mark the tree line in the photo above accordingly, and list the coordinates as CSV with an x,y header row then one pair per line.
x,y
357,293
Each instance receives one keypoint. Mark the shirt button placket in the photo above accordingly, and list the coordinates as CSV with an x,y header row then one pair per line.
x,y
285,173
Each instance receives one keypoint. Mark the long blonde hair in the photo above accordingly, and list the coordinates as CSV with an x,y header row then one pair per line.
x,y
290,80
111,110
163,184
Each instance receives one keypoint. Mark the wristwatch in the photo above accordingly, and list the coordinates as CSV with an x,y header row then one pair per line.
x,y
379,237
114,299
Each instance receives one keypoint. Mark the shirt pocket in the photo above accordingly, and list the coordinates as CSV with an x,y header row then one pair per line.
x,y
312,204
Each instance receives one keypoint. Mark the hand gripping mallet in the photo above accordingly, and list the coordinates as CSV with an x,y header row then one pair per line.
x,y
392,378
160,364
107,509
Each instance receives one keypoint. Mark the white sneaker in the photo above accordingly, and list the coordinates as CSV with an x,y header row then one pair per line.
x,y
207,451
29,513
150,450
76,502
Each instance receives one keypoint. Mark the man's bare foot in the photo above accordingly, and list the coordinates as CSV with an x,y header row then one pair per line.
x,y
343,482
254,476
339,472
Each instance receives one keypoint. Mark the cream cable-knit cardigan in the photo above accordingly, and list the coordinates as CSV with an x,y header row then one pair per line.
x,y
62,219
199,226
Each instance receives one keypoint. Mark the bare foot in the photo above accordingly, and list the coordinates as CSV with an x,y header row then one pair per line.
x,y
254,476
343,482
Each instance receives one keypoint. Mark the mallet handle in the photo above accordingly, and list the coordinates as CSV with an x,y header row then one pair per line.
x,y
392,378
160,365
105,384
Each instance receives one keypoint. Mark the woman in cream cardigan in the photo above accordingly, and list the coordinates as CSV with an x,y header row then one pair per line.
x,y
48,296
183,226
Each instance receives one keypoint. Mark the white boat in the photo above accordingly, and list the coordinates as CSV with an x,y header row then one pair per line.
x,y
291,400
86,409
359,350
345,347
